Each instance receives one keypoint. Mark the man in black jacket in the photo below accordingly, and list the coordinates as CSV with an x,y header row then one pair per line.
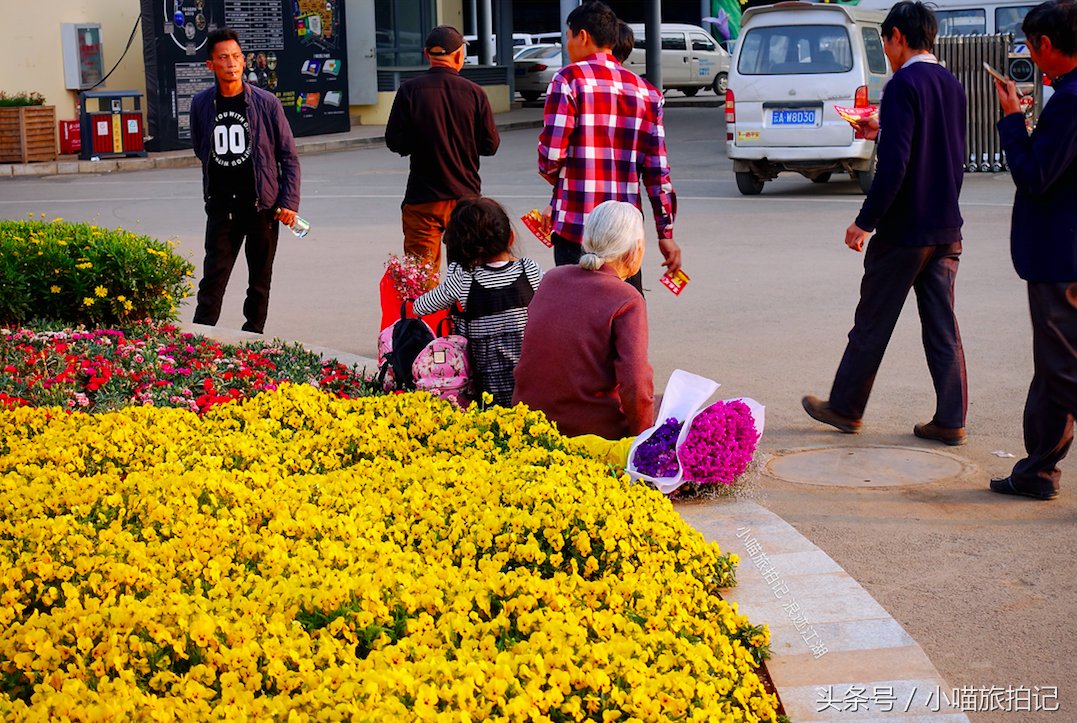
x,y
912,208
1043,245
250,180
444,123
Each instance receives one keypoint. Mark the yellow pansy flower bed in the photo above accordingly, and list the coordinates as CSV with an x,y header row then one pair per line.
x,y
297,556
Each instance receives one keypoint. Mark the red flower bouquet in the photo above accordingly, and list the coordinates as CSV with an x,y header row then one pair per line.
x,y
405,280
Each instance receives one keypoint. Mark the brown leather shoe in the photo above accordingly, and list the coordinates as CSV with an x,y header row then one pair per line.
x,y
819,410
953,436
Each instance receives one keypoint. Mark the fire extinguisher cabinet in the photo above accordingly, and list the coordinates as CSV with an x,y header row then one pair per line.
x,y
114,128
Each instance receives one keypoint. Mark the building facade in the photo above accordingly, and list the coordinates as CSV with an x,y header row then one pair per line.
x,y
384,47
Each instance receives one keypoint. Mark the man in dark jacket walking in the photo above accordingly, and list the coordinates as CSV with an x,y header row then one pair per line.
x,y
250,180
444,123
912,208
1043,244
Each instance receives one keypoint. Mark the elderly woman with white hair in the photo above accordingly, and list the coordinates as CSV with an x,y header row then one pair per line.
x,y
584,357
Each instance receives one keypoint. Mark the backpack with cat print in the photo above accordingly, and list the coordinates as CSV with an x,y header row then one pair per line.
x,y
443,368
398,346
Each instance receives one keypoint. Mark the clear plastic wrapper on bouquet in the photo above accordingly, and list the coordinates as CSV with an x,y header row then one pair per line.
x,y
686,396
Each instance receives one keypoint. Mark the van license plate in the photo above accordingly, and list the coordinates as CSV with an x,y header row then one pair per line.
x,y
792,117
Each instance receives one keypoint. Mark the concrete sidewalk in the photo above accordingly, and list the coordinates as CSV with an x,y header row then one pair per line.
x,y
522,115
358,137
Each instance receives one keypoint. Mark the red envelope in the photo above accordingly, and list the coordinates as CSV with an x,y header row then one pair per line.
x,y
856,114
533,220
675,282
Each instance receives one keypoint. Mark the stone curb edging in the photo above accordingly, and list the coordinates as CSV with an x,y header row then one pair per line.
x,y
863,661
870,662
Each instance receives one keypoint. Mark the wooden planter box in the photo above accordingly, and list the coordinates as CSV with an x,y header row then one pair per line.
x,y
27,134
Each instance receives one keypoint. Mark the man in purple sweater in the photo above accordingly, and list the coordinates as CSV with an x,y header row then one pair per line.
x,y
912,208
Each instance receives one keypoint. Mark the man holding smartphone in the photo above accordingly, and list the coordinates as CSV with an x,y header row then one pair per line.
x,y
1043,245
912,210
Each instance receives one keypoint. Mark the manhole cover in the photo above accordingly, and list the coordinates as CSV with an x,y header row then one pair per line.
x,y
865,466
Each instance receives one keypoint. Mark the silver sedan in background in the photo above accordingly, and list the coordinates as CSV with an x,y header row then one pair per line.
x,y
535,66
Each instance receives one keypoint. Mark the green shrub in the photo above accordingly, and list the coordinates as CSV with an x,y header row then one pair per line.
x,y
81,274
21,98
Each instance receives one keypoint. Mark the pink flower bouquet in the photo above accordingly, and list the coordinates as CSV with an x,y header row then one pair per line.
x,y
713,444
410,276
406,278
720,443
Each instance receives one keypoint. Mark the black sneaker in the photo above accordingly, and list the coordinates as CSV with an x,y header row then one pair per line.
x,y
1005,486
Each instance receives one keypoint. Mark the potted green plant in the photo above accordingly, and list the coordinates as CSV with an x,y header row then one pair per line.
x,y
27,128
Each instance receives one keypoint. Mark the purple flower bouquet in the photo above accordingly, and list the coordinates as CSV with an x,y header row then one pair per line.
x,y
712,445
684,395
657,456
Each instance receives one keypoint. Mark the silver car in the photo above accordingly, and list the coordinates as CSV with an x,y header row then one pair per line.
x,y
535,66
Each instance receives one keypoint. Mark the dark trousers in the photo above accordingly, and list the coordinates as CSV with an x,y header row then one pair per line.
x,y
225,233
1052,396
889,272
567,253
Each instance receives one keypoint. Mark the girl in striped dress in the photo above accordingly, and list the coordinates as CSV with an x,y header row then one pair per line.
x,y
489,289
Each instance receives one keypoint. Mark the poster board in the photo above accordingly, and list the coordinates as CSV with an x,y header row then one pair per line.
x,y
296,49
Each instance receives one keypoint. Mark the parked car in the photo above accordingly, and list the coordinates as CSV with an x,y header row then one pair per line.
x,y
534,67
794,63
691,58
543,38
971,17
471,53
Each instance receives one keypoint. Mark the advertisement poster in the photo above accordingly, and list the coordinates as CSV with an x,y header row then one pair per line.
x,y
295,49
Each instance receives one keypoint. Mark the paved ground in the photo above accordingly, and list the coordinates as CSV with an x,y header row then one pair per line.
x,y
981,582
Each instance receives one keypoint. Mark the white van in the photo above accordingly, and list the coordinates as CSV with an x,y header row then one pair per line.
x,y
969,17
471,51
794,62
986,17
691,58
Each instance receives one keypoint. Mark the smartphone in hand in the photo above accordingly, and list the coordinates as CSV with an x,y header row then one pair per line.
x,y
994,73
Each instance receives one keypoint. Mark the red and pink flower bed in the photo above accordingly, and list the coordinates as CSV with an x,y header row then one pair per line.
x,y
154,365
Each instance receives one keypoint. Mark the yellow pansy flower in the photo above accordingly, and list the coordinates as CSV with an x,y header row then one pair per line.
x,y
301,556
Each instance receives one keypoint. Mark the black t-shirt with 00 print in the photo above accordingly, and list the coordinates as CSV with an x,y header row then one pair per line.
x,y
230,168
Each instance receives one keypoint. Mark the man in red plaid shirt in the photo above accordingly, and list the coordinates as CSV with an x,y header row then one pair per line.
x,y
602,135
